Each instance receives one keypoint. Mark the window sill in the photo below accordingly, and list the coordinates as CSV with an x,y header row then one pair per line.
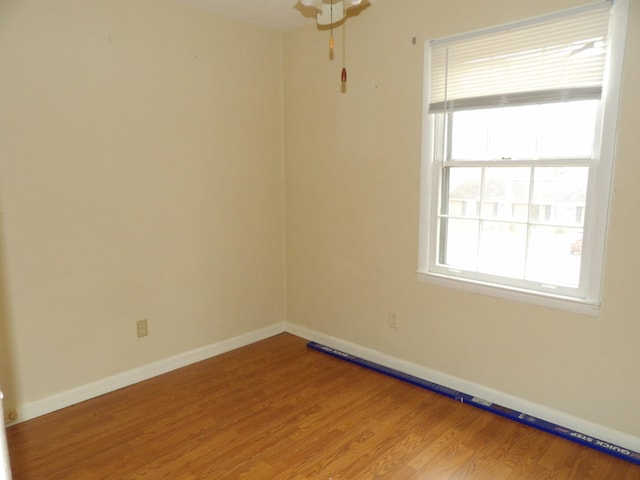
x,y
582,307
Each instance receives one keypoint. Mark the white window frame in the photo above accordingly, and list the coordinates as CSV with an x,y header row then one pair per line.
x,y
594,243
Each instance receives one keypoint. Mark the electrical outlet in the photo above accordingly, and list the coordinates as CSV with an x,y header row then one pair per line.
x,y
394,322
142,328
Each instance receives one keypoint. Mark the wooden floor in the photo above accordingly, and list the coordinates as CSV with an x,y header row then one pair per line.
x,y
277,410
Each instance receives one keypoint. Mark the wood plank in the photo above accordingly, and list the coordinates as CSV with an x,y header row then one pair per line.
x,y
279,411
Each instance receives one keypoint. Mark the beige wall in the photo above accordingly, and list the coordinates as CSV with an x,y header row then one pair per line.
x,y
352,168
140,177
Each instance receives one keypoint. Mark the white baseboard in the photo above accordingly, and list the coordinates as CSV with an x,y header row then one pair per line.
x,y
85,392
64,399
586,427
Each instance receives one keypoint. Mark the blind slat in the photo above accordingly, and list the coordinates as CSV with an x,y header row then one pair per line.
x,y
564,57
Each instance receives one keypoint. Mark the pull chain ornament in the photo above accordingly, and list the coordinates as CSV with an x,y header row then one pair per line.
x,y
343,75
326,18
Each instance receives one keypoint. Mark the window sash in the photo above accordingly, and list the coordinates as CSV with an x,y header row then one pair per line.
x,y
441,216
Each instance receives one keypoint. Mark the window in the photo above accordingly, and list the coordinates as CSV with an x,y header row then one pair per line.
x,y
518,152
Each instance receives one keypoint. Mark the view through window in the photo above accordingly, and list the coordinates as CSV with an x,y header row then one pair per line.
x,y
515,190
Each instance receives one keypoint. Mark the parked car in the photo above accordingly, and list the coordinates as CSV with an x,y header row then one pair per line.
x,y
576,246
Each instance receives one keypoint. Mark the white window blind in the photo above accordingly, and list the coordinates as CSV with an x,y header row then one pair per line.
x,y
501,68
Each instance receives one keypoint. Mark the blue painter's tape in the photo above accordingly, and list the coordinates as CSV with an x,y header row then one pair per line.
x,y
530,420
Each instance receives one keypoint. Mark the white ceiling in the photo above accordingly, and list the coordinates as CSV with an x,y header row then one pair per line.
x,y
279,15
